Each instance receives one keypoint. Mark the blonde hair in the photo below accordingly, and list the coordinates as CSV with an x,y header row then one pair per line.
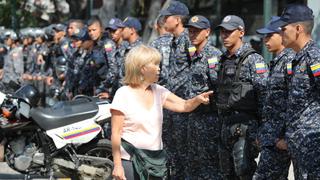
x,y
137,58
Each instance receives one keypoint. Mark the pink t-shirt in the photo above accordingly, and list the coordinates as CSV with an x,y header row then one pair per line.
x,y
141,127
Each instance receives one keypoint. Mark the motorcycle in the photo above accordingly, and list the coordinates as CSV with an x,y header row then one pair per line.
x,y
65,140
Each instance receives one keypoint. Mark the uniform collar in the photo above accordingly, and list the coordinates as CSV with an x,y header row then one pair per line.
x,y
135,43
184,34
303,51
238,53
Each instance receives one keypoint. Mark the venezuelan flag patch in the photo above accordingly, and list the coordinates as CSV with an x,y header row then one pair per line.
x,y
108,47
65,47
260,68
212,62
315,69
192,50
289,68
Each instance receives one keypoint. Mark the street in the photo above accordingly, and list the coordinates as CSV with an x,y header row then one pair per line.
x,y
4,169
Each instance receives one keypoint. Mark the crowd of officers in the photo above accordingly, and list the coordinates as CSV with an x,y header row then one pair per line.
x,y
256,107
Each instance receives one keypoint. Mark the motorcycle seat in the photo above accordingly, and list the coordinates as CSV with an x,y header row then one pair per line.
x,y
64,113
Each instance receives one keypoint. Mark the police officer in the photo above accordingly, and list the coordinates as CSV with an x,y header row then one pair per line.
x,y
115,27
274,161
162,44
3,52
13,63
239,97
63,43
130,33
56,91
77,62
175,124
203,126
102,59
26,47
73,26
303,115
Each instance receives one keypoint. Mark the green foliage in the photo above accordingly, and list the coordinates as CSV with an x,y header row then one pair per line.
x,y
5,14
23,17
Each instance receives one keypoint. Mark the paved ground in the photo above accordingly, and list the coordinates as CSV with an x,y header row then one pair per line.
x,y
4,169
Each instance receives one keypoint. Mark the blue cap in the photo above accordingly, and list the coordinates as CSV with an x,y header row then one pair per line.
x,y
114,24
199,22
132,23
175,8
232,22
295,13
271,27
80,34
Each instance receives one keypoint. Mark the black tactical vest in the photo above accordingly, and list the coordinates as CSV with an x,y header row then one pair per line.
x,y
232,93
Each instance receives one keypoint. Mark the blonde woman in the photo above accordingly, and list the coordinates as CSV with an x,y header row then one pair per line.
x,y
137,109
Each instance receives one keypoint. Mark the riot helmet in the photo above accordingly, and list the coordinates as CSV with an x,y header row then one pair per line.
x,y
60,66
29,94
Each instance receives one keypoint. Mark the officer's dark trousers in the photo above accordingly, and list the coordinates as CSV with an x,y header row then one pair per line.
x,y
226,153
305,152
273,164
203,139
176,144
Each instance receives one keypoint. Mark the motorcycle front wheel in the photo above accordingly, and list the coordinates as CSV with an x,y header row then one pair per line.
x,y
100,149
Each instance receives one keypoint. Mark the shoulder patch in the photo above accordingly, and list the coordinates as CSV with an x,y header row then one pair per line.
x,y
289,68
315,68
192,50
303,67
261,68
212,62
108,47
65,46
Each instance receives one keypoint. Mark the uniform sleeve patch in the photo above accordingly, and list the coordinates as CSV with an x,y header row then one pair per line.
x,y
289,68
108,47
315,69
192,50
260,68
65,47
212,62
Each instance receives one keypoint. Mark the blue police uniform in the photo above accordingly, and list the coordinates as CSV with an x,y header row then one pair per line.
x,y
162,44
130,22
239,98
254,72
303,114
175,126
178,83
203,125
274,163
121,58
100,61
203,132
303,111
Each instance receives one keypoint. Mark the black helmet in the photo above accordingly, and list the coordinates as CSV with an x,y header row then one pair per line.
x,y
29,94
61,65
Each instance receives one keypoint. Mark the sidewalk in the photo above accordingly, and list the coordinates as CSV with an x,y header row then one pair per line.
x,y
4,169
